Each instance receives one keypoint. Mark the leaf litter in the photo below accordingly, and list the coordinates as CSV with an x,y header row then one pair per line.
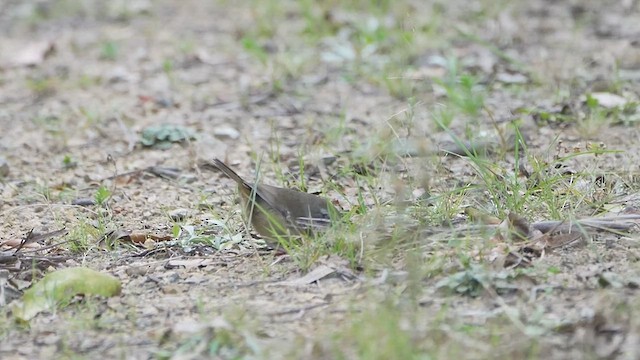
x,y
59,286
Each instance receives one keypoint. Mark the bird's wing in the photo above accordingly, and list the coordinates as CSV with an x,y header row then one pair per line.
x,y
312,223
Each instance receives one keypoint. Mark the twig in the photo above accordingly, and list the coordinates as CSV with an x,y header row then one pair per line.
x,y
298,309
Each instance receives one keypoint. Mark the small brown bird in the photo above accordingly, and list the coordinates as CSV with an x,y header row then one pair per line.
x,y
278,212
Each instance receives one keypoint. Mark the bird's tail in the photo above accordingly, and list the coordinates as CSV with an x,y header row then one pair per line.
x,y
227,170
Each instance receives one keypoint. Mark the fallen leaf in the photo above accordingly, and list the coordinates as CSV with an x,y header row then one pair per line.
x,y
519,226
136,238
60,286
561,240
111,237
226,132
18,243
609,100
30,54
513,229
511,78
33,239
316,274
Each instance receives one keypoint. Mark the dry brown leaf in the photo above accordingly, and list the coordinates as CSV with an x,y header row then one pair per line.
x,y
127,179
515,260
110,237
555,241
316,274
512,229
497,255
14,243
137,238
327,266
159,237
539,245
519,227
32,239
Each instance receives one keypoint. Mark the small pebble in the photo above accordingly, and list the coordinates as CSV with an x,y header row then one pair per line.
x,y
227,132
179,214
83,202
328,159
188,178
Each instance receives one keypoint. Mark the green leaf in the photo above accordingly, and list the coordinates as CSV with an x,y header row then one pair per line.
x,y
102,195
592,102
58,287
